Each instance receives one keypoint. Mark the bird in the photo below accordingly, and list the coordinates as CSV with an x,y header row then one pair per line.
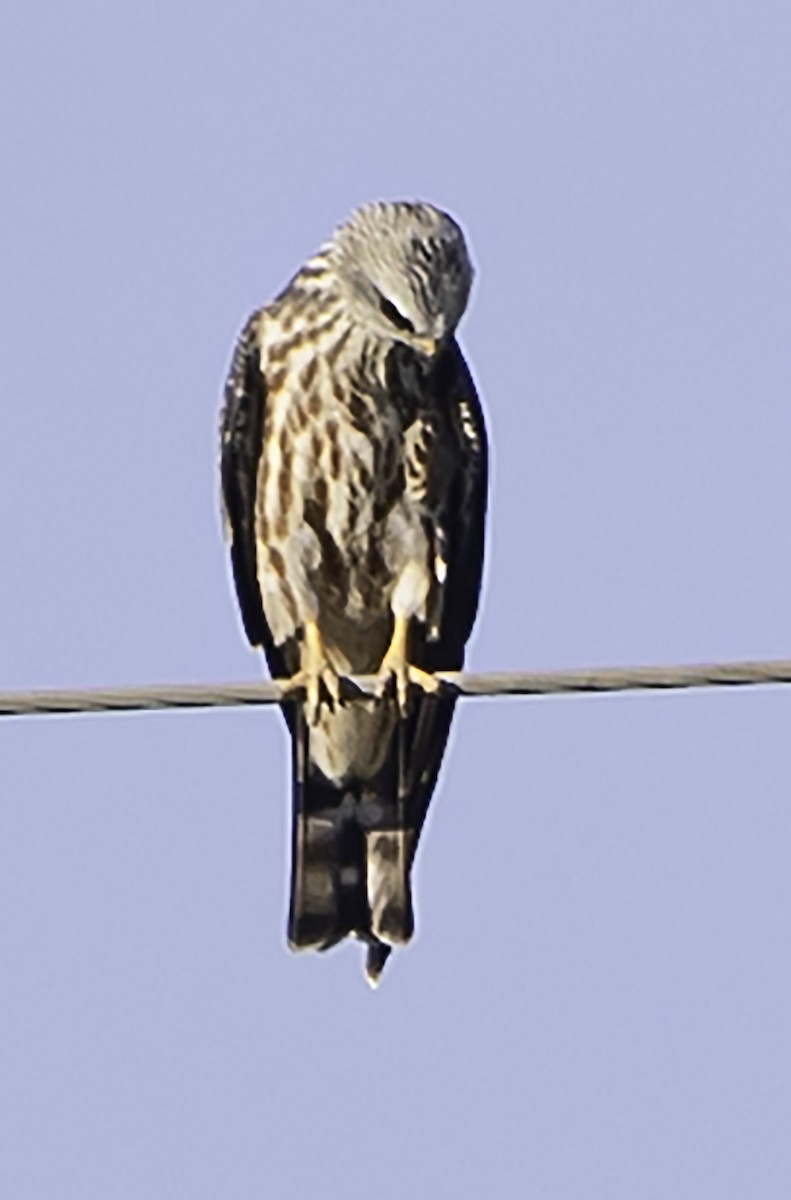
x,y
353,466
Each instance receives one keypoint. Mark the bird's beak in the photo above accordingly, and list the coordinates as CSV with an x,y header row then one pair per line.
x,y
427,346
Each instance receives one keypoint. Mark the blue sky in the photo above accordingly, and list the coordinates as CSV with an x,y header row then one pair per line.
x,y
597,1000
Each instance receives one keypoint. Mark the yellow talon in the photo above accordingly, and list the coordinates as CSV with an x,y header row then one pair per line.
x,y
316,671
395,666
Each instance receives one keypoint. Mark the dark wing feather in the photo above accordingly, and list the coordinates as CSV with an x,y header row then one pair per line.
x,y
241,436
459,485
458,496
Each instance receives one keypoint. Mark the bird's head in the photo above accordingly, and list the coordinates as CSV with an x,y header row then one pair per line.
x,y
404,271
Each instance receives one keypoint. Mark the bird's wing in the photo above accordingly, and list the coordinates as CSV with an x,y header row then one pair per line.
x,y
457,495
241,444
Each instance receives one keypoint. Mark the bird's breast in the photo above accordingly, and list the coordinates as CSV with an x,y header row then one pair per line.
x,y
354,487
335,500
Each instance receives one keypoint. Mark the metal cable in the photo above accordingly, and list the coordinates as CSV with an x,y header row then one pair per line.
x,y
507,683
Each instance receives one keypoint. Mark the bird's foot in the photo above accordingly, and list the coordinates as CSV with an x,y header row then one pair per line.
x,y
405,675
396,667
317,677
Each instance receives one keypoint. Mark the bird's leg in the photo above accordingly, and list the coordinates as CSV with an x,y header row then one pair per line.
x,y
316,670
396,666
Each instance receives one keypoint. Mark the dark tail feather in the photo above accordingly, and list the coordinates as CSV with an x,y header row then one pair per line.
x,y
350,860
319,844
375,960
389,848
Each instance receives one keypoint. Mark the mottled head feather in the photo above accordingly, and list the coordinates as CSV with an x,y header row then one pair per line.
x,y
404,271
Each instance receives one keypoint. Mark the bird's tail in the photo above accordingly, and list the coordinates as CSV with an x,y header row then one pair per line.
x,y
350,859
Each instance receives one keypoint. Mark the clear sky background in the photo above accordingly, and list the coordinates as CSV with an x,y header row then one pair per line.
x,y
598,1001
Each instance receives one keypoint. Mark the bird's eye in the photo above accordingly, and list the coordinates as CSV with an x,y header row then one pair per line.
x,y
394,316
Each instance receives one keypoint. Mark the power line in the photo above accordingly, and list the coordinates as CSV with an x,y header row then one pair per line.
x,y
507,683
